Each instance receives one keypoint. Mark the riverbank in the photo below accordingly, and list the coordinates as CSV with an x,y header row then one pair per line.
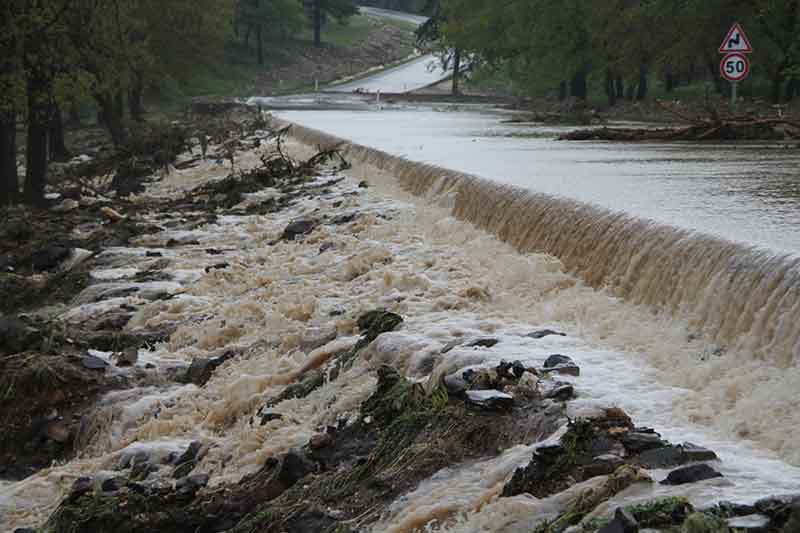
x,y
268,405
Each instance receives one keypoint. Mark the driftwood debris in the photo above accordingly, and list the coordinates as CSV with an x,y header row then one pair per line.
x,y
710,128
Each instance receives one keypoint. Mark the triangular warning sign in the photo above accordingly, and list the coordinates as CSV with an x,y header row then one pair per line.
x,y
736,41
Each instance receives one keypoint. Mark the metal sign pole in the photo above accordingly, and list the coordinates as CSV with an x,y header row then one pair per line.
x,y
734,90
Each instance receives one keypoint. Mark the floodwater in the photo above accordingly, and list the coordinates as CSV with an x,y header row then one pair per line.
x,y
746,193
583,203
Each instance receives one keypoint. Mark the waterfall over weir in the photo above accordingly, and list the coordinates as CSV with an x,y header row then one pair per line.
x,y
737,296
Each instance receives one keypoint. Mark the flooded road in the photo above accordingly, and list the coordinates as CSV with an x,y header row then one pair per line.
x,y
746,193
411,76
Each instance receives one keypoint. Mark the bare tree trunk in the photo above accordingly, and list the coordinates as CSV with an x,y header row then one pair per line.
x,y
58,148
641,91
620,88
578,86
456,71
713,70
777,84
36,145
135,107
611,90
260,45
111,118
317,23
562,91
74,115
669,80
9,181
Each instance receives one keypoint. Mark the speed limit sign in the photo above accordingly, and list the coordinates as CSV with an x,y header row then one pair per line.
x,y
735,67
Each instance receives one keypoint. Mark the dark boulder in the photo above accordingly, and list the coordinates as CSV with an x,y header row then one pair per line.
x,y
202,368
561,364
47,258
623,522
299,227
643,439
491,400
544,333
373,323
482,342
691,474
93,363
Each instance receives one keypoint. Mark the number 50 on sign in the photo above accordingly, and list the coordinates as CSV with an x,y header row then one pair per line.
x,y
735,67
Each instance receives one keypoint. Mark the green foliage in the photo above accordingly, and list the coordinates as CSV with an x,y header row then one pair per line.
x,y
543,42
704,523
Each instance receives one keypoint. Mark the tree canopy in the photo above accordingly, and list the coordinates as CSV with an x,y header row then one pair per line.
x,y
544,44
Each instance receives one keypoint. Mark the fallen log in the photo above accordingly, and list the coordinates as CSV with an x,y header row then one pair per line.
x,y
725,130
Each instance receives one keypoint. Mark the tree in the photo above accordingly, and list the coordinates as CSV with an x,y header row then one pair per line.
x,y
269,19
11,95
319,11
431,34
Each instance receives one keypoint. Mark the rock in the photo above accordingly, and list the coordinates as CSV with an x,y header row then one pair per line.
x,y
735,509
567,370
639,441
184,469
269,417
603,465
557,359
691,474
319,441
191,453
450,345
81,486
482,342
113,484
48,257
778,508
217,266
363,184
128,357
753,523
202,368
93,363
491,400
666,457
544,333
455,384
481,379
314,338
325,246
213,251
76,257
141,469
345,218
198,480
623,522
57,431
373,323
24,530
558,391
512,371
672,456
298,227
154,254
693,452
